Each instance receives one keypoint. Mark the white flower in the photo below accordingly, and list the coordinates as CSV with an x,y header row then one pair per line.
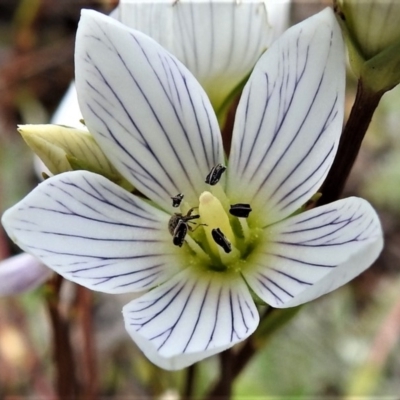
x,y
225,54
68,112
218,41
21,273
157,126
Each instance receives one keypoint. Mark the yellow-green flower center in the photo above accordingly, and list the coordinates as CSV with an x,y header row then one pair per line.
x,y
213,216
210,235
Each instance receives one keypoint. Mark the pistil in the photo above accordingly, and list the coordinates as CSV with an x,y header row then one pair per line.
x,y
214,217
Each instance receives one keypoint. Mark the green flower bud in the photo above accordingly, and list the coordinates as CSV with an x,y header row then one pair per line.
x,y
372,31
65,149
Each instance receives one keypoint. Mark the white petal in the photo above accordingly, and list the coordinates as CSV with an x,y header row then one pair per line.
x,y
289,120
21,273
39,167
145,109
278,16
94,233
316,252
193,316
68,112
219,42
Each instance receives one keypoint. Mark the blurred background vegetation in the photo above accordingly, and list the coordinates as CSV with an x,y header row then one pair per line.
x,y
344,345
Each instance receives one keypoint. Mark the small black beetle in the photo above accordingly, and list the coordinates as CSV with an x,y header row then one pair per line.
x,y
180,232
178,226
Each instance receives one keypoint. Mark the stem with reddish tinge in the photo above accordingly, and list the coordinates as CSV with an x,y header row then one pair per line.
x,y
233,364
353,134
66,382
89,357
223,389
189,383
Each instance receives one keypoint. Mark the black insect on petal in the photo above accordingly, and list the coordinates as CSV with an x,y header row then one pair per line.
x,y
177,200
221,240
215,174
180,232
240,210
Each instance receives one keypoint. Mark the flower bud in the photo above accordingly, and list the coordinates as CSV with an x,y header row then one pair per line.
x,y
373,35
65,149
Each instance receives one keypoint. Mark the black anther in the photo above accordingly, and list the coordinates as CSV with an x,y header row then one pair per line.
x,y
240,210
215,174
221,240
177,200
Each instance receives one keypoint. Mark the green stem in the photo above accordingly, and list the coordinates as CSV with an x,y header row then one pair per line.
x,y
353,134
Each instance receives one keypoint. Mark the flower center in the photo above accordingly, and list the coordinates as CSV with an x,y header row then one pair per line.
x,y
217,228
219,237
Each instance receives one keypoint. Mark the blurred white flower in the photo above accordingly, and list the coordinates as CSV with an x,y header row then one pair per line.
x,y
21,273
218,41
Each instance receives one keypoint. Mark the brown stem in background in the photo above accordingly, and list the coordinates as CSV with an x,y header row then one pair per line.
x,y
235,363
353,134
223,389
90,381
364,381
66,382
189,383
249,348
231,366
386,338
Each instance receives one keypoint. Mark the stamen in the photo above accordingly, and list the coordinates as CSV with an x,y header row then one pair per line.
x,y
245,228
177,200
229,258
197,249
219,192
215,174
240,210
221,240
